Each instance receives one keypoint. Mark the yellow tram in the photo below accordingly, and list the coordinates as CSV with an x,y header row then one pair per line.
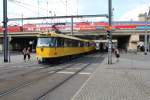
x,y
51,45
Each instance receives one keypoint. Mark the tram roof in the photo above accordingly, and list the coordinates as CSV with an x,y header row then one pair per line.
x,y
53,34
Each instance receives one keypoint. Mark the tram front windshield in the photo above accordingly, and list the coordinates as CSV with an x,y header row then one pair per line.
x,y
46,42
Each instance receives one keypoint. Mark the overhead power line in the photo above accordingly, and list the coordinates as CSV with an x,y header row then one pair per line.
x,y
62,2
30,10
65,3
28,6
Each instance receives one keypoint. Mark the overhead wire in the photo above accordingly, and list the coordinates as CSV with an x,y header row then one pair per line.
x,y
62,2
65,3
25,4
31,10
30,5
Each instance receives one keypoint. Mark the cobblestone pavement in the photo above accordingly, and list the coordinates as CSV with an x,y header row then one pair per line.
x,y
127,79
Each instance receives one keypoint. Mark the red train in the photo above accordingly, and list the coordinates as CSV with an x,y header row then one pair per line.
x,y
77,26
12,29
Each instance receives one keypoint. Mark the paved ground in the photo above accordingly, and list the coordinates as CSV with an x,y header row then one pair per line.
x,y
63,92
69,88
127,79
17,58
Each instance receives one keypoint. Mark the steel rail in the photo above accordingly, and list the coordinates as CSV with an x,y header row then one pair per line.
x,y
41,97
29,82
59,84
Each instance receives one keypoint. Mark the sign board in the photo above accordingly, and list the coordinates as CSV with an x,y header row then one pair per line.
x,y
108,27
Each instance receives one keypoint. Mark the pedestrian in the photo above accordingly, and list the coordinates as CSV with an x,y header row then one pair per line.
x,y
29,53
117,54
24,51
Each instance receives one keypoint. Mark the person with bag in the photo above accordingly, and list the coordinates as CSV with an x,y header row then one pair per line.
x,y
28,53
24,51
117,54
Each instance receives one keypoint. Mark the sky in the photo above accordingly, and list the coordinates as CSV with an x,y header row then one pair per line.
x,y
123,10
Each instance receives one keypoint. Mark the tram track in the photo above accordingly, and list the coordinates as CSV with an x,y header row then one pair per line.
x,y
45,94
10,68
37,67
48,73
41,97
23,71
31,81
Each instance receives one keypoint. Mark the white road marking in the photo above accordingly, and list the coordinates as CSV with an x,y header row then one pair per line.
x,y
85,73
66,72
81,73
73,68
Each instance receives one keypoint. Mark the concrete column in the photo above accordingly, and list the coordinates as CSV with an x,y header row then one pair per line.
x,y
132,44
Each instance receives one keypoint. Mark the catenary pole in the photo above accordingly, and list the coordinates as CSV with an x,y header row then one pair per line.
x,y
110,32
146,41
71,25
5,39
145,36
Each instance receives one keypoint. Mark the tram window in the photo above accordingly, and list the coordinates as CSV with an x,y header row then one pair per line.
x,y
78,43
81,44
65,43
88,44
70,43
74,43
92,44
60,42
85,44
46,42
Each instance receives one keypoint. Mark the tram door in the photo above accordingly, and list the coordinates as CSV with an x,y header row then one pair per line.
x,y
55,47
59,48
100,46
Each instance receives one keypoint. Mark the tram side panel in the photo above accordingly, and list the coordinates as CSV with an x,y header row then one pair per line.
x,y
55,47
